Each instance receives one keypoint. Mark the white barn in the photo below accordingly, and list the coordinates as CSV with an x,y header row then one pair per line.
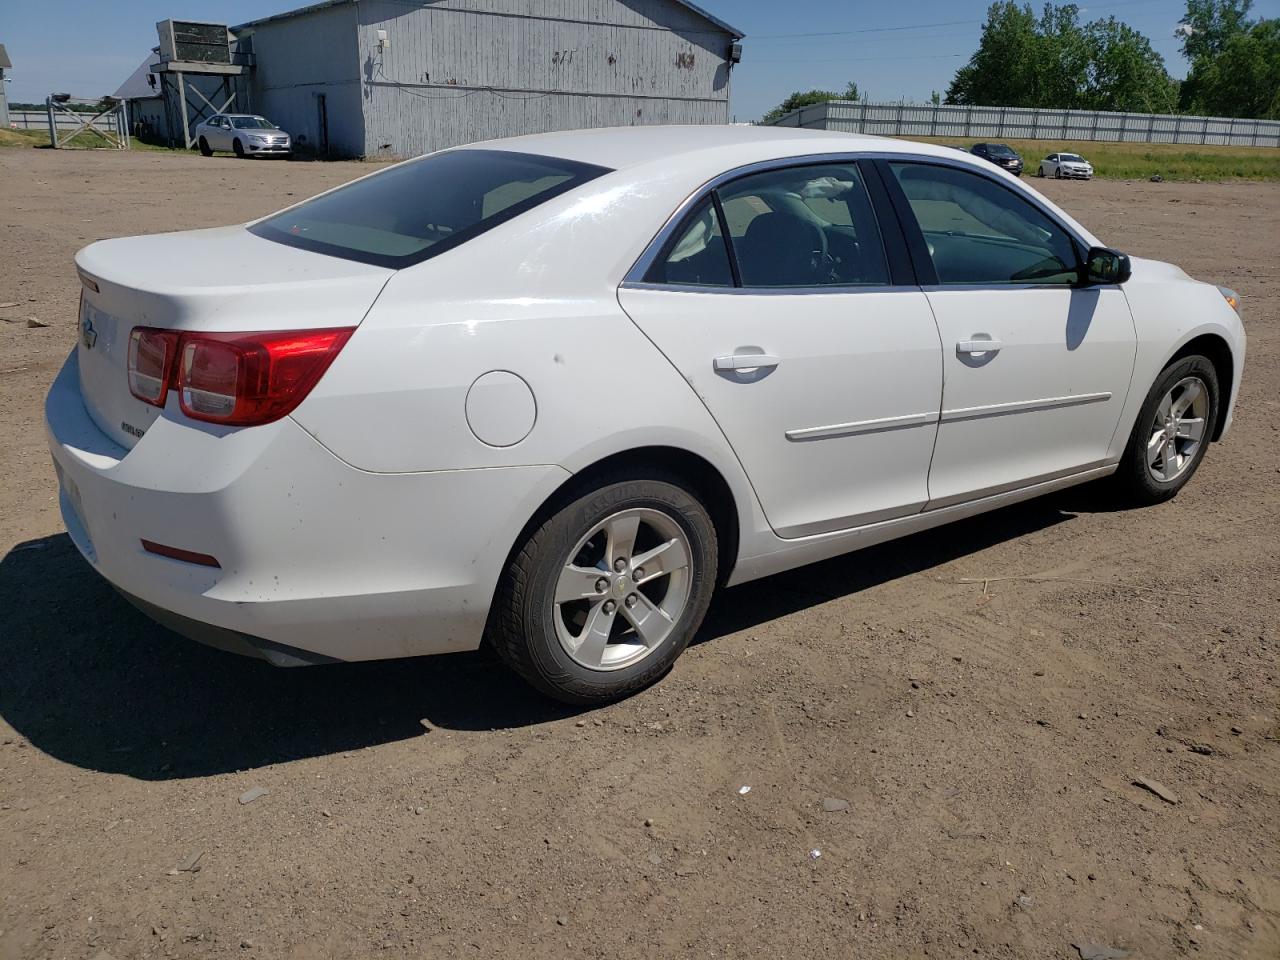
x,y
397,78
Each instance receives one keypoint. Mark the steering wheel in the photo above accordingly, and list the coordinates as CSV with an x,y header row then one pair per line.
x,y
820,262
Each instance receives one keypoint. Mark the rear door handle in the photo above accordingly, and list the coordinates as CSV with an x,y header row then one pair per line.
x,y
978,346
745,361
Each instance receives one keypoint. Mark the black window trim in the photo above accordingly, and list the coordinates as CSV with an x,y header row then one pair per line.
x,y
915,235
584,173
897,263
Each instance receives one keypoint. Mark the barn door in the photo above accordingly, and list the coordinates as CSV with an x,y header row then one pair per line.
x,y
322,125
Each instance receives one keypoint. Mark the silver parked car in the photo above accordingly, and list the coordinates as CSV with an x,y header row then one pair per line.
x,y
244,134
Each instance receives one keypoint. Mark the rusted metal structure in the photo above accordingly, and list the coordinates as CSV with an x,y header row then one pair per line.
x,y
201,72
107,124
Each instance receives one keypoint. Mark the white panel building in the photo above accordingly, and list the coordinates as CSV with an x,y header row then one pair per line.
x,y
397,78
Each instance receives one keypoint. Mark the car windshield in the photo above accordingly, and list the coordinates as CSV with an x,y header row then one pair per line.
x,y
1000,150
1070,158
424,207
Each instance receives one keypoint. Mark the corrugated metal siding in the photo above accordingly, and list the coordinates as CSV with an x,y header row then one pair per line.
x,y
1025,123
300,57
456,71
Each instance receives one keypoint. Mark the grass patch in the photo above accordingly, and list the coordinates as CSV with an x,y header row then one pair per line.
x,y
1139,161
81,141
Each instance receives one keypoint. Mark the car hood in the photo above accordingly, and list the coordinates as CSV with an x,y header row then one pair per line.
x,y
1156,270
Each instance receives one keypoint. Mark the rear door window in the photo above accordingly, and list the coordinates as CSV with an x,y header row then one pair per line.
x,y
698,255
810,226
422,208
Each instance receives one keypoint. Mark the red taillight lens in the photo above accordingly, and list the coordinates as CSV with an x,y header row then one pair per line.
x,y
151,356
240,379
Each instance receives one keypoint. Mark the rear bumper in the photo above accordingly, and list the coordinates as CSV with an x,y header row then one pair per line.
x,y
318,560
229,640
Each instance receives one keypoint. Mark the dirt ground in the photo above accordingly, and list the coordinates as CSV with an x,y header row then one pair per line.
x,y
986,740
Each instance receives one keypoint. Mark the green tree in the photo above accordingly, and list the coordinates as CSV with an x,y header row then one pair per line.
x,y
1208,25
1004,67
808,98
1124,72
1054,61
1242,79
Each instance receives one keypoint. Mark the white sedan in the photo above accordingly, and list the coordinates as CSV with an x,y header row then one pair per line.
x,y
550,393
1065,166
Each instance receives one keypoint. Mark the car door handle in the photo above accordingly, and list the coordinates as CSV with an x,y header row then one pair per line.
x,y
745,361
979,346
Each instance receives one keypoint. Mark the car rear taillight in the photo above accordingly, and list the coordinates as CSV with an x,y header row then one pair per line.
x,y
151,355
240,379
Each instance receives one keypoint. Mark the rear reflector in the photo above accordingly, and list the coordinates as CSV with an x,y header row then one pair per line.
x,y
240,379
174,553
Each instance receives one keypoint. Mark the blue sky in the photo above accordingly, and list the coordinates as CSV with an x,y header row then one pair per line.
x,y
89,47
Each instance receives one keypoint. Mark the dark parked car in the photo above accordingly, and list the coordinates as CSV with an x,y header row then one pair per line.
x,y
1001,154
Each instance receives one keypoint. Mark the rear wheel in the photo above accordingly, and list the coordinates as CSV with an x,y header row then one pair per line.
x,y
238,147
1172,432
606,594
205,149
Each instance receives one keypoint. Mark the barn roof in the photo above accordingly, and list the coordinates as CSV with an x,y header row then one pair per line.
x,y
137,87
325,4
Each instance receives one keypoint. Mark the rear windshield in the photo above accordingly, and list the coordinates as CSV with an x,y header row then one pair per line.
x,y
424,207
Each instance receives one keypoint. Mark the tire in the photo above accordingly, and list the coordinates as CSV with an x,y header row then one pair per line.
x,y
205,149
1057,173
1147,475
547,640
238,147
1040,172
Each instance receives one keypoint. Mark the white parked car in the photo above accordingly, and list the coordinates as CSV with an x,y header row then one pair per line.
x,y
244,134
550,393
1065,166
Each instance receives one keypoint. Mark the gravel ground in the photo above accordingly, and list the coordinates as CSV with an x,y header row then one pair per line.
x,y
986,740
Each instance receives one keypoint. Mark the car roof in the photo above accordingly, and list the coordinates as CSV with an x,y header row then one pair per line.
x,y
724,146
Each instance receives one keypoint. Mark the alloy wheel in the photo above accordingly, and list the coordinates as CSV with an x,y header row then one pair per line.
x,y
1178,429
623,589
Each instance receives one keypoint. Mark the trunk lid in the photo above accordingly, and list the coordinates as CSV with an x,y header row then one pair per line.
x,y
219,280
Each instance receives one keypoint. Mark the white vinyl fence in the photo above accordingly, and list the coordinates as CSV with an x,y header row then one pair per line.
x,y
39,120
1029,123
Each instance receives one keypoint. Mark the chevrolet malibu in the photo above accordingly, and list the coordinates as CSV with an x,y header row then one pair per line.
x,y
549,393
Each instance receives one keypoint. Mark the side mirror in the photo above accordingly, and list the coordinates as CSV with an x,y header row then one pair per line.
x,y
1106,266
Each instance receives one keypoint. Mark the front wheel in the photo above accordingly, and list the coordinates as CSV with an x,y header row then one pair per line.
x,y
1040,172
608,591
238,147
1172,432
1057,173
